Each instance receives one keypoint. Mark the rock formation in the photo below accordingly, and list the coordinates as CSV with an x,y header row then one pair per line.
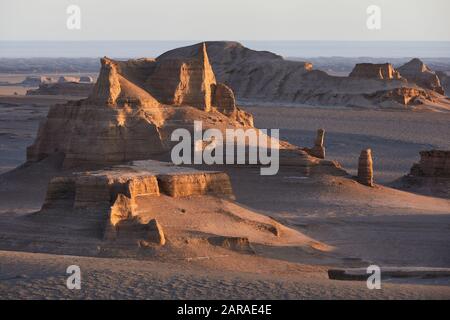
x,y
365,168
34,81
156,233
126,117
430,176
417,72
65,88
240,244
86,79
444,79
184,82
260,76
113,192
121,120
404,96
318,150
64,79
375,71
433,163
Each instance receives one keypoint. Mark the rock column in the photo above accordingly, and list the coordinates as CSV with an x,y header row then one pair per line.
x,y
365,168
318,150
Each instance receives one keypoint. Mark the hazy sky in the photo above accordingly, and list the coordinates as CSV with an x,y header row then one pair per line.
x,y
225,20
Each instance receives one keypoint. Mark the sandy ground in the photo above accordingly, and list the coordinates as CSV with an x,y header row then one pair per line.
x,y
42,276
364,226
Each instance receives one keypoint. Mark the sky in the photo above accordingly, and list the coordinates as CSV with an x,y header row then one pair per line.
x,y
401,20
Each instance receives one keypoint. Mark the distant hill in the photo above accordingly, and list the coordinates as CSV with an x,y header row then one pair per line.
x,y
48,65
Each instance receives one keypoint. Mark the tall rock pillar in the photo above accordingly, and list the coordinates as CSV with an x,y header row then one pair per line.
x,y
365,168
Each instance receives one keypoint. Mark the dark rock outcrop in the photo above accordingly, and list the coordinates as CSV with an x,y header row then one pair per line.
x,y
433,163
123,120
444,78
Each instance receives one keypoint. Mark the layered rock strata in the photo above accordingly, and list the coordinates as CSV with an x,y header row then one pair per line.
x,y
365,168
444,79
375,71
126,117
260,76
66,88
417,72
134,108
433,163
113,192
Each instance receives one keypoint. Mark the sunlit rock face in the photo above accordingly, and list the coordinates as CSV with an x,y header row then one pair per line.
x,y
264,77
419,73
132,110
365,168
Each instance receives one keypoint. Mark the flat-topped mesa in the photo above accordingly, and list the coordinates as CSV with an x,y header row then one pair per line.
x,y
433,163
365,168
419,73
383,71
113,192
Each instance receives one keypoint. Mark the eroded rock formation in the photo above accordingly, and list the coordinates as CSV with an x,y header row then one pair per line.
x,y
113,193
430,176
86,79
126,117
34,81
417,72
433,163
156,233
184,82
64,79
404,96
365,168
318,150
260,76
444,79
65,88
383,71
